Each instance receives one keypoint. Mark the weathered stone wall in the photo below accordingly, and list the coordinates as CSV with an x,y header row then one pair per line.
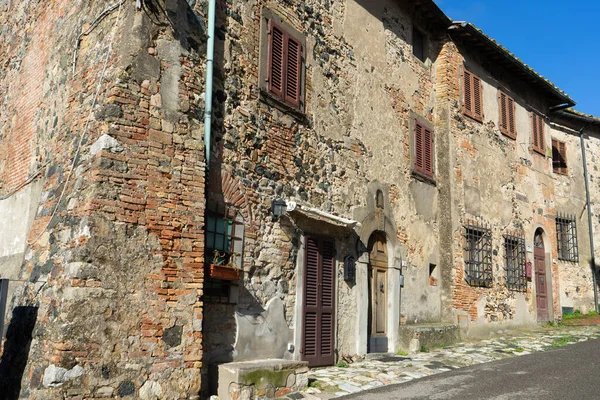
x,y
363,89
500,182
112,275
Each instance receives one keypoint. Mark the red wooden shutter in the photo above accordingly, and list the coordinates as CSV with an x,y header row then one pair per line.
x,y
477,98
428,152
293,71
467,93
563,155
311,300
503,116
319,302
537,129
276,60
512,129
418,147
541,133
326,355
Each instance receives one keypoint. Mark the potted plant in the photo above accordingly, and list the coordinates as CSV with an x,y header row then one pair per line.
x,y
223,266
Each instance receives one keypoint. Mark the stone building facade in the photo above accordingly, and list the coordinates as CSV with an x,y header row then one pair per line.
x,y
137,268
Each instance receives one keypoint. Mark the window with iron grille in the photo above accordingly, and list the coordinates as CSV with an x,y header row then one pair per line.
x,y
514,262
224,241
478,254
566,237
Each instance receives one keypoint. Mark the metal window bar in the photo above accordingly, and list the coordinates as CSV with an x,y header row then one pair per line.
x,y
566,237
514,258
478,254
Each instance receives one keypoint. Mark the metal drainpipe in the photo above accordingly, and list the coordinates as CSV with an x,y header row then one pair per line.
x,y
589,213
210,52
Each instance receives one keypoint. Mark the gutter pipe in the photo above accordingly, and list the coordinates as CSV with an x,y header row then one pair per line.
x,y
589,213
210,52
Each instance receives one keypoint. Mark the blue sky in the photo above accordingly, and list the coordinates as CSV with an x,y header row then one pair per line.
x,y
559,40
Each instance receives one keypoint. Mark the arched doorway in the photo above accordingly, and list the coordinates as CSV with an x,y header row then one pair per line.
x,y
378,288
541,280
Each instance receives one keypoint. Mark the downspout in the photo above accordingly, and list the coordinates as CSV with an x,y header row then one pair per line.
x,y
589,213
210,53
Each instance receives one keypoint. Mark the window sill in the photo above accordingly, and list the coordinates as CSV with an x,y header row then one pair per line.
x,y
423,178
271,100
508,135
480,120
561,173
538,152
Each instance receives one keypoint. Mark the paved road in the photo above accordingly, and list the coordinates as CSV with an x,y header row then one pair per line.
x,y
570,372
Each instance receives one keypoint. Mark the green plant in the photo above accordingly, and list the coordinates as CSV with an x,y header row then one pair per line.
x,y
519,350
593,313
342,364
401,353
563,340
424,349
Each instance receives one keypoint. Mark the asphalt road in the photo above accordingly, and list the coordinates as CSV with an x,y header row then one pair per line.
x,y
569,372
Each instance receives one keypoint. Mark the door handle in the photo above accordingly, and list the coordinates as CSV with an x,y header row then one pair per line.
x,y
381,287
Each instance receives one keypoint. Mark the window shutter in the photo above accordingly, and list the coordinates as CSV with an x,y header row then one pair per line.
x,y
326,355
537,133
555,156
503,112
477,98
293,71
428,152
468,93
319,302
418,147
276,60
541,133
512,129
311,302
563,157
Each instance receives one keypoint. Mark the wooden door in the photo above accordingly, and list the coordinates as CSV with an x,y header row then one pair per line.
x,y
541,282
378,265
319,302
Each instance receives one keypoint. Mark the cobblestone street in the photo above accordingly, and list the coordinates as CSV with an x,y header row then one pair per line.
x,y
326,383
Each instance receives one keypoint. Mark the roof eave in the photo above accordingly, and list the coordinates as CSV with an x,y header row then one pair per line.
x,y
563,98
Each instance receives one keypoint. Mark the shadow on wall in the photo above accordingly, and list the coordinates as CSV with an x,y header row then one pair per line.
x,y
16,350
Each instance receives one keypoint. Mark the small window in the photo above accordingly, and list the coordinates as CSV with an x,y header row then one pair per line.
x,y
419,45
478,255
514,262
423,150
537,133
559,157
224,246
566,237
284,66
506,108
472,96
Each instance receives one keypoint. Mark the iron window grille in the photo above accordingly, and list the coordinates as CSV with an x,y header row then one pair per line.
x,y
566,237
478,254
224,241
514,262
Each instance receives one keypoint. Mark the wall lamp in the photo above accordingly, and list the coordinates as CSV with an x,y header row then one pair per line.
x,y
278,208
